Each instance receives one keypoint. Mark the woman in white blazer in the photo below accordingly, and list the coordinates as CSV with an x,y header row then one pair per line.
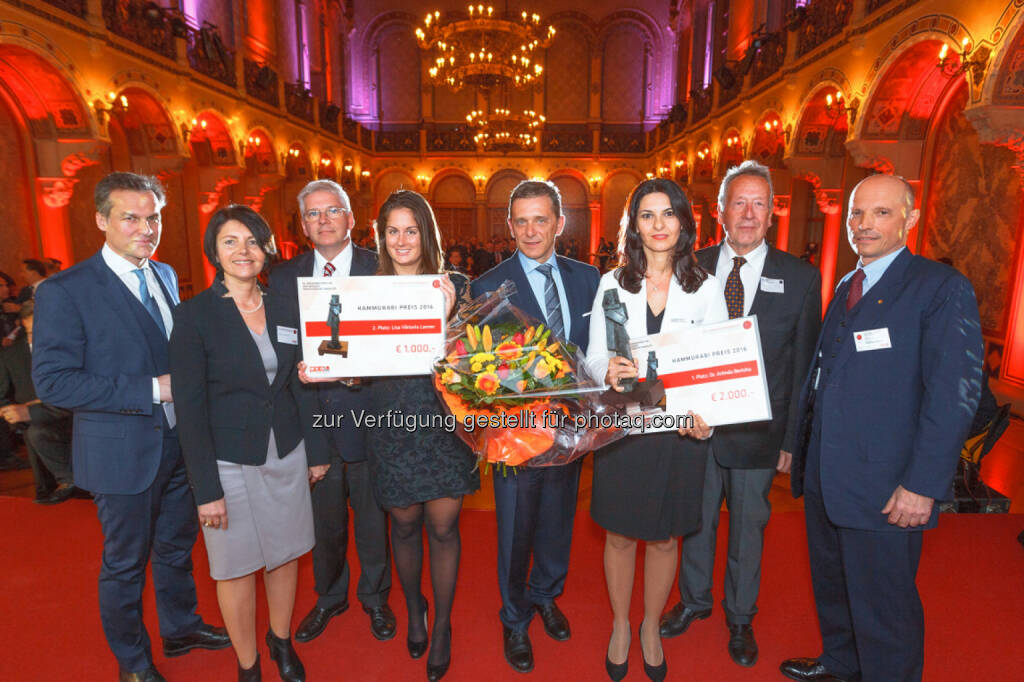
x,y
648,487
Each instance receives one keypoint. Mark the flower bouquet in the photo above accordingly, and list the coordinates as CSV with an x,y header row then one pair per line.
x,y
520,396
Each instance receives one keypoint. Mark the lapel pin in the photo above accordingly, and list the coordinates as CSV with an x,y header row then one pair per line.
x,y
879,301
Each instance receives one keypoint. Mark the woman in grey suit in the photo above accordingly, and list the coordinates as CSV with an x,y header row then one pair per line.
x,y
244,420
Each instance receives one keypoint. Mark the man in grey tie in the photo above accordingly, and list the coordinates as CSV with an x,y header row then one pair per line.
x,y
100,350
535,507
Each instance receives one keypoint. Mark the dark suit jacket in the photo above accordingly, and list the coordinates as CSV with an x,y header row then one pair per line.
x,y
347,441
579,279
225,405
788,323
16,383
896,416
96,351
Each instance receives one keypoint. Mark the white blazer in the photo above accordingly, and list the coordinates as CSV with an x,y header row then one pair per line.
x,y
703,306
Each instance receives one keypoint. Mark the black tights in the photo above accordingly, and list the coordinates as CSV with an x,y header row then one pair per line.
x,y
441,517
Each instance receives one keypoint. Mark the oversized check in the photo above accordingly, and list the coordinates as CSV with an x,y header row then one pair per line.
x,y
715,370
371,326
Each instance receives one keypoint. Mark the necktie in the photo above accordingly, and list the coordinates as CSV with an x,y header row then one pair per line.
x,y
734,288
329,269
147,300
552,303
856,289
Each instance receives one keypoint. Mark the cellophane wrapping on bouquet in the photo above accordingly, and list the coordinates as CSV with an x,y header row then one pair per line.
x,y
520,396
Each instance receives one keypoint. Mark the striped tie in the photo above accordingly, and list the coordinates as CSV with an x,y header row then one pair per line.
x,y
329,269
734,289
552,304
149,302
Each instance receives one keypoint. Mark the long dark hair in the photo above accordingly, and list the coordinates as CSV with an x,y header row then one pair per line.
x,y
431,255
633,265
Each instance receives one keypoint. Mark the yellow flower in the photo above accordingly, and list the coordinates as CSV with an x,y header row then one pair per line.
x,y
449,377
488,382
476,367
541,370
487,338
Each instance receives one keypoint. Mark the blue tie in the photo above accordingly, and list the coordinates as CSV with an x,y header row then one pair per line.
x,y
552,304
147,300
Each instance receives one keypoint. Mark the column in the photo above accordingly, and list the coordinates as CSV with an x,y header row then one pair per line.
x,y
830,203
781,210
595,229
52,198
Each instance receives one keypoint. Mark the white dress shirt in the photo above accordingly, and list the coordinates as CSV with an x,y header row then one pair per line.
x,y
125,271
342,262
750,272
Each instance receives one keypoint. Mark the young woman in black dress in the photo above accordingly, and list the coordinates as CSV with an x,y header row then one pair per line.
x,y
648,487
419,476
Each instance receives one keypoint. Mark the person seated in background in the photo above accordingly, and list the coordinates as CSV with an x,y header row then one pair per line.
x,y
47,429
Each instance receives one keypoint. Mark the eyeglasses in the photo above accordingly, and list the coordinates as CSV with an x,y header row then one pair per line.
x,y
333,212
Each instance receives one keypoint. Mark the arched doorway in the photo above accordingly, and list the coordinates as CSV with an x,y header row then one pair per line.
x,y
452,198
575,239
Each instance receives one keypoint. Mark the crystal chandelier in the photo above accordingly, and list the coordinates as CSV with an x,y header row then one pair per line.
x,y
485,49
504,130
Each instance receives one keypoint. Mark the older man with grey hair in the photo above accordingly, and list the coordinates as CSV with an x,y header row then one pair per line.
x,y
785,295
327,222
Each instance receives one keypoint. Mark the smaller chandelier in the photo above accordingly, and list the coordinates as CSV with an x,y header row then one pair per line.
x,y
504,130
484,50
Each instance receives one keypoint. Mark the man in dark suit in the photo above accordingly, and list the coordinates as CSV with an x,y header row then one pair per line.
x,y
785,295
327,221
100,350
536,507
887,404
47,429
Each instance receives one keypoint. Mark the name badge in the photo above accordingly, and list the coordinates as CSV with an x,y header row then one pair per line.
x,y
773,286
872,339
289,335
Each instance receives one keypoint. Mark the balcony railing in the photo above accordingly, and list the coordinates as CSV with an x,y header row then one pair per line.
x,y
823,19
622,140
397,140
142,23
567,138
450,138
261,82
76,7
208,55
769,57
876,5
701,104
298,101
329,114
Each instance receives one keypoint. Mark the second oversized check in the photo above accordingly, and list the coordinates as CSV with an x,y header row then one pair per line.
x,y
371,326
716,370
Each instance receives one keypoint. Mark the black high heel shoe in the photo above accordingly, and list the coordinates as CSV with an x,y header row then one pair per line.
x,y
289,667
436,672
657,673
251,674
417,649
616,671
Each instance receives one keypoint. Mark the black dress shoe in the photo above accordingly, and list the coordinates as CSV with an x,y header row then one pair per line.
x,y
251,674
417,649
616,671
289,667
62,493
150,674
555,622
316,620
382,621
653,672
518,651
808,670
436,672
206,637
742,646
679,618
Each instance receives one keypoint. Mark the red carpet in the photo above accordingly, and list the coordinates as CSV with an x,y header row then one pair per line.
x,y
971,578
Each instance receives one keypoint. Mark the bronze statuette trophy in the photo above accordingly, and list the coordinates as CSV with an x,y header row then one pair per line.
x,y
334,346
649,393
